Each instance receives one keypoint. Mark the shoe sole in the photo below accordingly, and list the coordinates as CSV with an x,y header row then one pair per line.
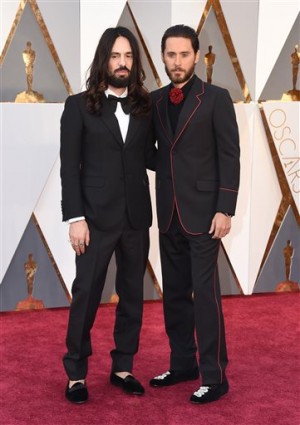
x,y
116,384
77,402
174,383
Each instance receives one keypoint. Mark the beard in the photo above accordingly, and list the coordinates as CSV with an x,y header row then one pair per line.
x,y
179,80
118,82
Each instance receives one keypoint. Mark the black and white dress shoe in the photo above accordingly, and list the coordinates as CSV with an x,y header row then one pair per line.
x,y
209,393
130,385
172,377
78,393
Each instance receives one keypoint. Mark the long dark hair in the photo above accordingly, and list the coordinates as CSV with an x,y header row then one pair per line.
x,y
181,31
97,82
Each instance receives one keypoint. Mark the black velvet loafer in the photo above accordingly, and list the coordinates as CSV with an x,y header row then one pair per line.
x,y
172,377
209,393
78,393
130,385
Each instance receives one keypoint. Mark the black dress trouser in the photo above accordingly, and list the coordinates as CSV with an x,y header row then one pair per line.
x,y
192,301
131,251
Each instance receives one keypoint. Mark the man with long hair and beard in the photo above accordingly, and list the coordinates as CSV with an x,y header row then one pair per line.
x,y
197,180
106,145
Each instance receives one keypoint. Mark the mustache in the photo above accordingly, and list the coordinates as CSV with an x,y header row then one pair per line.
x,y
177,69
122,68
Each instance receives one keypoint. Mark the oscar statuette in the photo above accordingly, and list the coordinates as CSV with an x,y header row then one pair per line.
x,y
209,60
29,96
288,285
294,94
30,303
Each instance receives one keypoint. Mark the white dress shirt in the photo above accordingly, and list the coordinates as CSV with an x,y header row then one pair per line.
x,y
122,118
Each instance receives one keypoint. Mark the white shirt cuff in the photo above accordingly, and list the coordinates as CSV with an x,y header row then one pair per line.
x,y
73,220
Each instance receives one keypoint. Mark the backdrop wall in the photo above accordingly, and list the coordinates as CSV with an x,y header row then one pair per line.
x,y
253,42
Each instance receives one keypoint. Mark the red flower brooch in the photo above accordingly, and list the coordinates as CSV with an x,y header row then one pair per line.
x,y
176,95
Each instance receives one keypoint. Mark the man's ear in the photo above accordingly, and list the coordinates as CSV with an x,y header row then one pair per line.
x,y
197,57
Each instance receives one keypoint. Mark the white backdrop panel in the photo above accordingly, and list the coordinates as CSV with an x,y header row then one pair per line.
x,y
154,256
187,12
258,201
146,14
8,11
49,216
242,21
236,243
30,132
271,22
95,17
283,120
59,15
29,145
265,198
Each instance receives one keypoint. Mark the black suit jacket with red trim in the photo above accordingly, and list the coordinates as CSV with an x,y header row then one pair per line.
x,y
103,177
197,167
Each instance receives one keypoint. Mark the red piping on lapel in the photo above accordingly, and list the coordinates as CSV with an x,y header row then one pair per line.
x,y
171,162
191,116
228,190
176,203
171,217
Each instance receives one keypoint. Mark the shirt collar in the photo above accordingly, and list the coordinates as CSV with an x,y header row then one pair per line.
x,y
109,91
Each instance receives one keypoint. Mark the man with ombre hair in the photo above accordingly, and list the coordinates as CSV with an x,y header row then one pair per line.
x,y
197,180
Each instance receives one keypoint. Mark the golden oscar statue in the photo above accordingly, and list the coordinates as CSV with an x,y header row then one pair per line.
x,y
288,285
294,94
29,96
209,60
30,303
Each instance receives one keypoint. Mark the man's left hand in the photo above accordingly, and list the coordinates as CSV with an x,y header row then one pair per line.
x,y
220,225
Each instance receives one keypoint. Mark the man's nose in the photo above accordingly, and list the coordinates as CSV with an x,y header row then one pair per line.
x,y
177,60
122,60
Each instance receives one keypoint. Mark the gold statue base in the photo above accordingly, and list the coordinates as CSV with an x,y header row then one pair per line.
x,y
287,286
291,95
29,97
30,304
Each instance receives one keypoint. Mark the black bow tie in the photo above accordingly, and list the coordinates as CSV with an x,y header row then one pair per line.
x,y
123,100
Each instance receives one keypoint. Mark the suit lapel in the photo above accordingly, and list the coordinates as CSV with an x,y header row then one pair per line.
x,y
110,120
133,126
162,112
189,108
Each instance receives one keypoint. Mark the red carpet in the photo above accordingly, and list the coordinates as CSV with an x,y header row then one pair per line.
x,y
264,370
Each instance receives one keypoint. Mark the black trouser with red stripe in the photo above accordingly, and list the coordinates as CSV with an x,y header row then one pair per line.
x,y
192,301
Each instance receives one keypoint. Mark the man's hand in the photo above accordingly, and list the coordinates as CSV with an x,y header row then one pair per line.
x,y
79,236
220,225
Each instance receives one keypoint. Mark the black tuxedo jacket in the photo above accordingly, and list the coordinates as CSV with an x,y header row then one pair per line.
x,y
197,169
103,177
